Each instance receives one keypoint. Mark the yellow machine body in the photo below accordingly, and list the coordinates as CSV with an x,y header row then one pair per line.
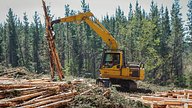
x,y
120,69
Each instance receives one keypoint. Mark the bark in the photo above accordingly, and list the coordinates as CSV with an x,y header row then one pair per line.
x,y
50,99
5,87
57,104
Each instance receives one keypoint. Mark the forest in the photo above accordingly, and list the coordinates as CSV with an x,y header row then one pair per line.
x,y
157,38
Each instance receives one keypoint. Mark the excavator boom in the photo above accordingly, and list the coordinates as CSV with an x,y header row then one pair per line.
x,y
89,18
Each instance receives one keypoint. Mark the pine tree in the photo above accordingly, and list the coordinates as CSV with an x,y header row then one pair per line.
x,y
19,30
13,39
87,42
177,34
84,6
188,29
130,15
136,33
189,15
68,43
154,16
1,43
120,23
165,33
36,42
5,44
27,42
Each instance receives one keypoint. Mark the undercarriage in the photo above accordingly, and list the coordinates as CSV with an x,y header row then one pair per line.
x,y
107,82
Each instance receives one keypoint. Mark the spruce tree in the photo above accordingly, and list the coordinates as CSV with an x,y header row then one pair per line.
x,y
189,15
130,15
1,43
13,39
19,31
164,44
36,42
27,42
177,34
154,16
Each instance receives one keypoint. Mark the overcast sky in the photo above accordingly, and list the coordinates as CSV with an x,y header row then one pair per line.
x,y
98,7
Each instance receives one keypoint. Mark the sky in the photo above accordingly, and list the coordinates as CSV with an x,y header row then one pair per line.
x,y
98,7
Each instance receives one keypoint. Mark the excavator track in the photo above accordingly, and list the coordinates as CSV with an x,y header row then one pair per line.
x,y
103,82
126,84
130,85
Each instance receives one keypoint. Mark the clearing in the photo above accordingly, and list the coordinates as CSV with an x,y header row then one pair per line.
x,y
21,88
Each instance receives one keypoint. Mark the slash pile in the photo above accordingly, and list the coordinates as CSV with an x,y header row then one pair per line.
x,y
37,93
170,99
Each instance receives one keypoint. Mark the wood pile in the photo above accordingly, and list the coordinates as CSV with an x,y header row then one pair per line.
x,y
37,93
18,72
170,99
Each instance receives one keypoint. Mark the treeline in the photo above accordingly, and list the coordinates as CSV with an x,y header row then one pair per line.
x,y
155,38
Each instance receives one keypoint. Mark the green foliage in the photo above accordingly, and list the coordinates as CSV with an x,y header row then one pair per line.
x,y
189,15
12,36
84,6
36,43
180,81
188,69
1,42
95,99
177,34
189,80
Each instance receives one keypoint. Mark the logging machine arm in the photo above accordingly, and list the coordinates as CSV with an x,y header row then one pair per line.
x,y
89,18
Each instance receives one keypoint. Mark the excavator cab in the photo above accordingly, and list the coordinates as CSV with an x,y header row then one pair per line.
x,y
115,70
112,63
110,60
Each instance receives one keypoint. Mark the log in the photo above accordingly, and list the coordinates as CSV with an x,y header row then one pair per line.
x,y
107,93
181,97
180,92
152,98
173,102
32,100
23,98
4,78
35,105
188,91
177,102
189,96
188,105
175,106
40,80
48,89
22,91
64,84
161,94
5,87
59,96
8,72
57,104
7,104
75,81
9,94
85,92
155,105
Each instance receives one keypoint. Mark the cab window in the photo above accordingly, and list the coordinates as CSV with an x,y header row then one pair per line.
x,y
111,59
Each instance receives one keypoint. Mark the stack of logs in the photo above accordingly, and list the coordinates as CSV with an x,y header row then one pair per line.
x,y
18,72
36,93
170,99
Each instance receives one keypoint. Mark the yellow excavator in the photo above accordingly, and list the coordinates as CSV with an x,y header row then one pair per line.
x,y
114,68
